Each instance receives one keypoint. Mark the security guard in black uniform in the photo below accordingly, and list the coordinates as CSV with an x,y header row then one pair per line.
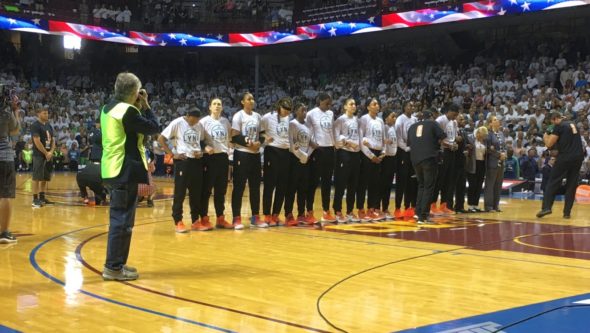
x,y
563,136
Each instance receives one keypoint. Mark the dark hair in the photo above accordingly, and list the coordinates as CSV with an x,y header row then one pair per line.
x,y
298,106
451,107
322,97
386,113
285,103
246,94
368,101
194,112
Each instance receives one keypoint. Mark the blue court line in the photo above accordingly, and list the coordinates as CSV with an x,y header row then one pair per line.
x,y
4,329
566,320
33,261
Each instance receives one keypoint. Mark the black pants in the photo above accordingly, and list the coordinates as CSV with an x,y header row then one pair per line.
x,y
388,167
90,177
446,178
298,184
369,183
246,168
475,183
276,179
188,174
459,202
570,170
426,174
215,175
121,222
321,167
405,186
346,176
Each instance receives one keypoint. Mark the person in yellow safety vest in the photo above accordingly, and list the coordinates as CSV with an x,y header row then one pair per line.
x,y
124,122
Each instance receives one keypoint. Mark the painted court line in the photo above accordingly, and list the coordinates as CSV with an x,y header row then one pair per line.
x,y
33,261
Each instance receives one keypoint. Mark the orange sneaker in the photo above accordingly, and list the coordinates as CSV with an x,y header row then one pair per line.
x,y
206,225
445,209
275,221
180,228
290,221
376,215
237,223
301,219
328,217
221,223
409,213
341,218
310,219
398,214
268,220
364,216
434,210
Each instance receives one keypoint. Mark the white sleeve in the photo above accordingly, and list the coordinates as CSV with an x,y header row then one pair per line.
x,y
338,133
362,130
236,123
170,131
399,131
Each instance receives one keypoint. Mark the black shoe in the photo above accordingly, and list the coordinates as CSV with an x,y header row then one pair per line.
x,y
7,238
567,216
544,212
47,202
150,203
140,199
498,210
37,203
460,211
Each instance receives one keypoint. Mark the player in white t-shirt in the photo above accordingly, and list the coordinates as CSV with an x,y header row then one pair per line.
x,y
247,167
301,147
275,126
320,120
217,130
389,162
186,134
372,133
347,169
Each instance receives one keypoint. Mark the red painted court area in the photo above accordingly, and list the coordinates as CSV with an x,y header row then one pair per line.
x,y
485,235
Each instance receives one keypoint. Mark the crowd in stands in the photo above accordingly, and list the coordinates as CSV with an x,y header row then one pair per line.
x,y
520,87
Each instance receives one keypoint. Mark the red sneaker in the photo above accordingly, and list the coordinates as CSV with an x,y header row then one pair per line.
x,y
301,219
221,223
206,225
445,209
269,221
328,217
290,221
409,213
310,219
237,223
398,214
180,228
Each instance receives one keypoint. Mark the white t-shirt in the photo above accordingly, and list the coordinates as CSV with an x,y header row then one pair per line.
x,y
449,126
278,131
187,139
372,131
216,133
321,124
390,135
299,136
249,126
347,129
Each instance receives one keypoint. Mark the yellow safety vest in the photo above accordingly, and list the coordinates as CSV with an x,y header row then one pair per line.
x,y
113,140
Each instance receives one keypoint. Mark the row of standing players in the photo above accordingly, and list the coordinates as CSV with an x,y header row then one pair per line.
x,y
363,155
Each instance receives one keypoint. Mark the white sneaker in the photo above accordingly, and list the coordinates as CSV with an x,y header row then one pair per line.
x,y
353,218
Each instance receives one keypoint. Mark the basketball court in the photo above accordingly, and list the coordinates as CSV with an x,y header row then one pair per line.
x,y
488,272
